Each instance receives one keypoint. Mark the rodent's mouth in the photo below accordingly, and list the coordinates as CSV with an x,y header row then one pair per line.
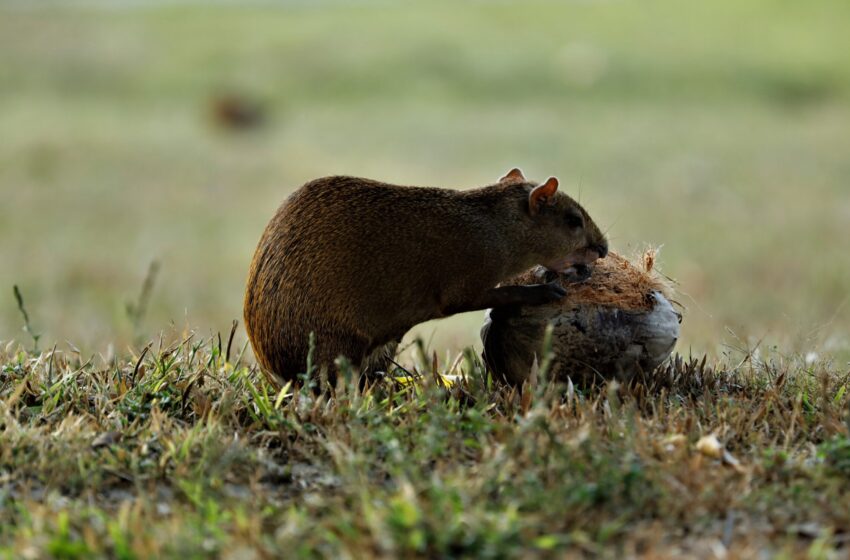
x,y
580,258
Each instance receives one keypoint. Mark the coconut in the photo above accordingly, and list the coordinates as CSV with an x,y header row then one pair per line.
x,y
615,321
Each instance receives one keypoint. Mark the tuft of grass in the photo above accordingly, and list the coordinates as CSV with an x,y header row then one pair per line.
x,y
176,450
136,310
19,299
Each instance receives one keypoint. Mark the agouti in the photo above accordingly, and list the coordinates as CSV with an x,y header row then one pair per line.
x,y
359,262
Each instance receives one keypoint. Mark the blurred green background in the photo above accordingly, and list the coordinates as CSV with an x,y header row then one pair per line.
x,y
720,130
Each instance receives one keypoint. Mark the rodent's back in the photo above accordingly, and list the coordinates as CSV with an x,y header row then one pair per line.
x,y
345,237
369,257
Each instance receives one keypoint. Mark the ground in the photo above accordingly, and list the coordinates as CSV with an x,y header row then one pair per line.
x,y
186,451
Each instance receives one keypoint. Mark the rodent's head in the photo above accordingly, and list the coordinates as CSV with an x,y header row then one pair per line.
x,y
562,232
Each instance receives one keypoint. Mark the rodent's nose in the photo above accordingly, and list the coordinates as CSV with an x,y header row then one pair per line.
x,y
600,249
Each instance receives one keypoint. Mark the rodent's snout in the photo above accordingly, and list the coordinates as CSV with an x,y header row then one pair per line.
x,y
585,256
600,249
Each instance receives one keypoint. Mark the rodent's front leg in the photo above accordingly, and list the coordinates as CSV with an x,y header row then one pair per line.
x,y
534,294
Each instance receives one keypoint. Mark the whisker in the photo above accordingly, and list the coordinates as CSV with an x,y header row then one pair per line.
x,y
612,224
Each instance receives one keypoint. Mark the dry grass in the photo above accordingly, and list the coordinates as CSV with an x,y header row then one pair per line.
x,y
185,450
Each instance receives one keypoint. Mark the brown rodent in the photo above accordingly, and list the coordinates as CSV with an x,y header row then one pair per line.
x,y
359,262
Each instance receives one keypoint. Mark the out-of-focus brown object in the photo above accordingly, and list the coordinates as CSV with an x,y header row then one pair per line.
x,y
613,323
236,112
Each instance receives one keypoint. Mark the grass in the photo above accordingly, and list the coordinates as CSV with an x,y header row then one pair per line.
x,y
180,450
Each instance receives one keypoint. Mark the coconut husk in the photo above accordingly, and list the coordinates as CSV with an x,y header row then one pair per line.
x,y
614,282
613,323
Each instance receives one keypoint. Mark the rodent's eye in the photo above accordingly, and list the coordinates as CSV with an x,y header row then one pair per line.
x,y
574,220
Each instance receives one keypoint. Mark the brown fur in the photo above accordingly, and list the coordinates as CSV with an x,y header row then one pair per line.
x,y
359,262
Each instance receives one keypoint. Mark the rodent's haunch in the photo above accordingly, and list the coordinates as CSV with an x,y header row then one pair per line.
x,y
359,262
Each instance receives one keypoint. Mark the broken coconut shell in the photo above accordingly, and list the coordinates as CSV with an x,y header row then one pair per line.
x,y
612,324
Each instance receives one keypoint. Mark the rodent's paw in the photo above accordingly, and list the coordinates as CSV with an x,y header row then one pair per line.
x,y
577,274
546,293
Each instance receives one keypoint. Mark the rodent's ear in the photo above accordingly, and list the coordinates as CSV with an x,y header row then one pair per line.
x,y
542,194
513,176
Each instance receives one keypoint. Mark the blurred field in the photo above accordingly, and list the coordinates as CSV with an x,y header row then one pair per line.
x,y
720,131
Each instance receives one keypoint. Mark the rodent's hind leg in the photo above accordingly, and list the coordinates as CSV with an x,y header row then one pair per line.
x,y
330,345
379,359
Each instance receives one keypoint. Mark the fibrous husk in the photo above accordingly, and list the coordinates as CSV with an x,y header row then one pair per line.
x,y
610,326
